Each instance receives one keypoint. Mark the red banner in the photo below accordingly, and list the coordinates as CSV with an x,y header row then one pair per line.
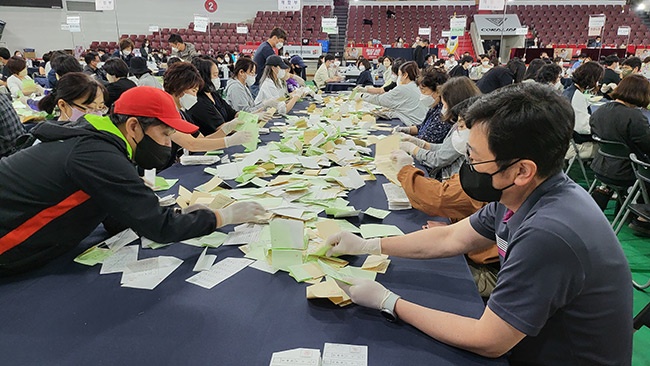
x,y
371,53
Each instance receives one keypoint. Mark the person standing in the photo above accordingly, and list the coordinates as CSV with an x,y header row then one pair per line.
x,y
275,42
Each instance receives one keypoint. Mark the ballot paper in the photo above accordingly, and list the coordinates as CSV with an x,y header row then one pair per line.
x,y
383,150
219,272
150,244
148,273
376,263
369,231
212,240
287,234
375,212
327,228
264,266
199,159
117,262
210,185
243,236
150,177
296,357
120,239
292,212
397,198
328,289
205,261
335,354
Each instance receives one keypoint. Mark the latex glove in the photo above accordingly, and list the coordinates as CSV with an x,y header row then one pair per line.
x,y
360,89
273,102
414,140
194,207
607,88
409,147
238,138
366,293
400,159
347,243
228,127
240,212
404,130
264,116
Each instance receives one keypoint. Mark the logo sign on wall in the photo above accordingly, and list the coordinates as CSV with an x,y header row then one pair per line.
x,y
288,5
493,25
491,4
211,6
104,4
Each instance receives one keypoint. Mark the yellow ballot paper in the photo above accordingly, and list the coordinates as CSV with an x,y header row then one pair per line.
x,y
328,290
327,228
376,263
383,149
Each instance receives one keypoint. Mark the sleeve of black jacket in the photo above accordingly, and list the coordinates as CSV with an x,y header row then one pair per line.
x,y
111,180
205,115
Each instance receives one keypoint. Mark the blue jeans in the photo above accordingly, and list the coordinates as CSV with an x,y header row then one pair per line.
x,y
255,89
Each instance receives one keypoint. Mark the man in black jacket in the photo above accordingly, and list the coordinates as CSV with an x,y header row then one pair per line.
x,y
419,54
56,192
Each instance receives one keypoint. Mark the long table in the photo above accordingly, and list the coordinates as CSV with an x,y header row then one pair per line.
x,y
66,313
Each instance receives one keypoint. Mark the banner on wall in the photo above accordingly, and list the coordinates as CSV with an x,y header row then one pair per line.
x,y
491,5
565,53
201,24
304,51
104,4
457,26
288,5
371,53
494,25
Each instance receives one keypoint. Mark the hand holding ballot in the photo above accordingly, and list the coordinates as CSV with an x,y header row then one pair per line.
x,y
347,243
368,293
400,159
228,127
238,138
239,212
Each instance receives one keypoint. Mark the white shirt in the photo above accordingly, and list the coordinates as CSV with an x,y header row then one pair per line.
x,y
149,80
269,91
15,85
403,102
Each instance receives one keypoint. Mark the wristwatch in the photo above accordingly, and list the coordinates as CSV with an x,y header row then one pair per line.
x,y
388,307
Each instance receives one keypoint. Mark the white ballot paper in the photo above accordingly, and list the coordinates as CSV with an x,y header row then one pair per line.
x,y
121,239
199,159
219,272
296,357
335,354
243,236
148,273
205,261
117,262
397,198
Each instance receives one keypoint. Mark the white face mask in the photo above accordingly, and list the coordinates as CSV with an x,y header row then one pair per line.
x,y
250,80
427,100
443,111
279,45
188,101
337,63
217,83
459,140
362,68
281,74
126,52
174,49
485,63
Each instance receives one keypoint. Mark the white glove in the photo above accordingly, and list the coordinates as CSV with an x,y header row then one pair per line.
x,y
360,89
606,88
228,127
238,138
400,159
195,207
414,140
408,147
264,116
366,293
239,212
347,243
273,102
398,129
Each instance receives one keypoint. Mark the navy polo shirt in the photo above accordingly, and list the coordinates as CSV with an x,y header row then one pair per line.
x,y
564,280
263,52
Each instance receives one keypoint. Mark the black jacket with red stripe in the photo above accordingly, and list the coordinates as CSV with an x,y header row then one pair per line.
x,y
55,193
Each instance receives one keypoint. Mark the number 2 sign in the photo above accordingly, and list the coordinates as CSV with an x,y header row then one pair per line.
x,y
211,5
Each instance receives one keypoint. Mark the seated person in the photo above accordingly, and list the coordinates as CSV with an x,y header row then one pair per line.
x,y
478,71
62,63
293,81
394,69
92,67
550,74
237,92
19,83
76,95
88,165
326,73
10,126
462,69
116,73
140,70
273,87
611,77
403,102
125,53
433,129
563,294
500,76
365,77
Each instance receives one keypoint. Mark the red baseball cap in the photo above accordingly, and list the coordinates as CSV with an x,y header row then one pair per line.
x,y
147,101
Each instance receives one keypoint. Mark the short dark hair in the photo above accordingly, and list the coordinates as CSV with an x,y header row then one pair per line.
x,y
328,57
243,64
172,60
548,73
278,32
90,57
411,69
117,67
517,68
482,56
365,63
424,40
456,90
204,67
4,53
433,78
180,77
533,67
460,109
588,74
397,63
525,121
71,86
646,60
63,64
466,59
175,38
633,89
633,62
611,59
16,64
126,43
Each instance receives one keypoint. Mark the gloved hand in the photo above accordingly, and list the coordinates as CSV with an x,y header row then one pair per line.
x,y
400,159
366,293
360,89
264,116
347,243
414,140
195,207
273,102
606,88
408,147
238,138
239,212
228,127
398,129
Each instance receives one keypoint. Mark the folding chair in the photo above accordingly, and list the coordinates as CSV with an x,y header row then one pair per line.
x,y
642,173
612,150
642,318
580,140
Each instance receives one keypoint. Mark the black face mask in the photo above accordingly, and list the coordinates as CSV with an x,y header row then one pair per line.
x,y
479,185
151,155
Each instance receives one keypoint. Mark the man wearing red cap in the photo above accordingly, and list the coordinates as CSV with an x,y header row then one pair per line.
x,y
56,192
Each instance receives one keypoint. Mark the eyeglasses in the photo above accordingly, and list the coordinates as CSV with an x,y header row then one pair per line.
x,y
471,165
100,110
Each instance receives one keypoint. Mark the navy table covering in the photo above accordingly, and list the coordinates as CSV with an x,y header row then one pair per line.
x,y
67,314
